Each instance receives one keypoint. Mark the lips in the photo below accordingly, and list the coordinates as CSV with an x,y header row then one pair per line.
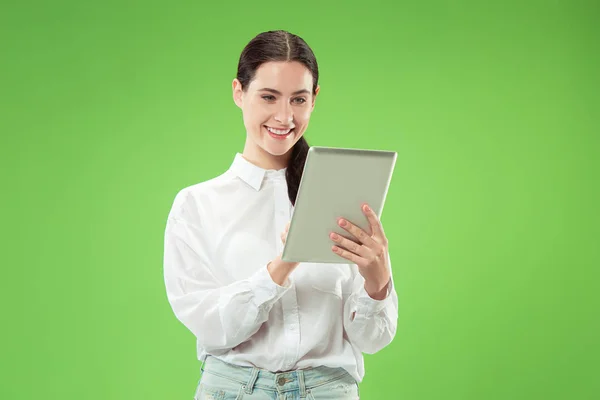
x,y
280,137
281,130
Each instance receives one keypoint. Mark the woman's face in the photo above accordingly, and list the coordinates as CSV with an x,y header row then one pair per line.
x,y
280,97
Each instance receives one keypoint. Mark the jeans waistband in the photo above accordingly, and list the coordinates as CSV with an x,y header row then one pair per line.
x,y
252,377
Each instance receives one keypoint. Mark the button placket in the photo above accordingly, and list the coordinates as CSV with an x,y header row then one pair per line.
x,y
289,301
291,323
281,216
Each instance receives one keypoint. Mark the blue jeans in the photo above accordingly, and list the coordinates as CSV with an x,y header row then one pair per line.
x,y
224,381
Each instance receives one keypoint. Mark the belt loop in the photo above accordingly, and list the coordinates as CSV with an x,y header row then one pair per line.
x,y
301,383
249,387
203,364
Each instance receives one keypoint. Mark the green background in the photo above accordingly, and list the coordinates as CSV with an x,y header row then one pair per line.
x,y
108,109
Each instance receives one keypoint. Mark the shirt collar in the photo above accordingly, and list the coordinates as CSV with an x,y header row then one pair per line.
x,y
252,174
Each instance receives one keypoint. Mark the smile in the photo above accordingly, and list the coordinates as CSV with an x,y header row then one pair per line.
x,y
282,132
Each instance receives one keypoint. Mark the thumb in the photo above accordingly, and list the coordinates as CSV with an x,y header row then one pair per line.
x,y
284,233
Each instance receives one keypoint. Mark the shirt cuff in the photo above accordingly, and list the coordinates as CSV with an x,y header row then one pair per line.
x,y
368,306
265,289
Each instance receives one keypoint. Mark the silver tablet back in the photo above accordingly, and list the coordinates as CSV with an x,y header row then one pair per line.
x,y
335,183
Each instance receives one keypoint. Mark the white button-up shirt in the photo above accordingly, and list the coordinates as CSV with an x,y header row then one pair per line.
x,y
220,235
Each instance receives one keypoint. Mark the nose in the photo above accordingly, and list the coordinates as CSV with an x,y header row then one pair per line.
x,y
284,114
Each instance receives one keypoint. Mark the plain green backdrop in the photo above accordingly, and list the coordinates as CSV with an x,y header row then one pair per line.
x,y
109,108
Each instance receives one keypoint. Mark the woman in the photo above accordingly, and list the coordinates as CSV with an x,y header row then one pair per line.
x,y
265,328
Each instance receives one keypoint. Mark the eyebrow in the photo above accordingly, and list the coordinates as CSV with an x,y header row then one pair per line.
x,y
279,93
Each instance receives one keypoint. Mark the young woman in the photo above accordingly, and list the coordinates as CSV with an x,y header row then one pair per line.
x,y
265,328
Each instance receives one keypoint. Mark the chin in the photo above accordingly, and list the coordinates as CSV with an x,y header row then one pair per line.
x,y
277,151
278,147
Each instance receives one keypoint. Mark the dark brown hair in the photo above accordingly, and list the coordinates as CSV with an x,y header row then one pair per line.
x,y
280,46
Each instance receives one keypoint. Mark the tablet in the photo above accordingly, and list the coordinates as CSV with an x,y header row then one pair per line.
x,y
335,183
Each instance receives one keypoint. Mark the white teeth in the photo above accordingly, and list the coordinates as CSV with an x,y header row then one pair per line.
x,y
278,131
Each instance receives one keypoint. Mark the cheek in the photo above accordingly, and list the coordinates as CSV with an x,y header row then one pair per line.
x,y
256,115
303,116
260,115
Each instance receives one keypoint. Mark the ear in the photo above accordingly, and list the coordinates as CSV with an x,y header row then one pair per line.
x,y
315,97
236,87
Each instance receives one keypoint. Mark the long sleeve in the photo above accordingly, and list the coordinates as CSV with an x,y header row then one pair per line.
x,y
220,316
370,324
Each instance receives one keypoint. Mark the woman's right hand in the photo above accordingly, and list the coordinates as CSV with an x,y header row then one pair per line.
x,y
285,232
279,269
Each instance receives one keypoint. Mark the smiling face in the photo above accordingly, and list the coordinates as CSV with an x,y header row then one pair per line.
x,y
276,108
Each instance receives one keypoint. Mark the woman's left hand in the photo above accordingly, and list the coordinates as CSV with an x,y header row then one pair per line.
x,y
370,254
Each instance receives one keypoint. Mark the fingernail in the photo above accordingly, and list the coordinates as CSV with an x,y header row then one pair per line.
x,y
367,209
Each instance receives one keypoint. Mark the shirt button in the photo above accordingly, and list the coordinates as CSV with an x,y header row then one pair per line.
x,y
281,381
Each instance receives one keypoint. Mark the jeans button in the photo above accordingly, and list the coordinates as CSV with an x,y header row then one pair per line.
x,y
281,381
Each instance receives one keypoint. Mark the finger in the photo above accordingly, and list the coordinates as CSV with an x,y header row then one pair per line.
x,y
355,259
362,236
350,245
374,222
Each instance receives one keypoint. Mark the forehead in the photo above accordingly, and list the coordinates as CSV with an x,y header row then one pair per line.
x,y
285,76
